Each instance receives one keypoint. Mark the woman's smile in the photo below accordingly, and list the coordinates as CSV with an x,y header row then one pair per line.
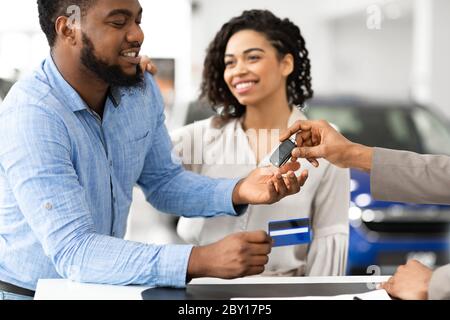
x,y
244,87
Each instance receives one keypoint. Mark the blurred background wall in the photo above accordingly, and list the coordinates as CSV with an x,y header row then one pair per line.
x,y
167,27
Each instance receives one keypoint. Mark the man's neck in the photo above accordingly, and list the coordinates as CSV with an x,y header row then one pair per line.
x,y
91,89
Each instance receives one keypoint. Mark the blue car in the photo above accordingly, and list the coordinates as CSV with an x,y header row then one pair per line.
x,y
384,235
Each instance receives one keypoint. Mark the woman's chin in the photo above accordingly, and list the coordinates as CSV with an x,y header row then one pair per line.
x,y
247,101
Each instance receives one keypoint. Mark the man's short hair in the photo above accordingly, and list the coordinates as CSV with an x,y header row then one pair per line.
x,y
50,10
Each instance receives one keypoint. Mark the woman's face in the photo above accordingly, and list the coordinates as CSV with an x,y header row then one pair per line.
x,y
253,70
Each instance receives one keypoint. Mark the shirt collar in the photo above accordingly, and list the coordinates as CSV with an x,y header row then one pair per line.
x,y
115,96
68,93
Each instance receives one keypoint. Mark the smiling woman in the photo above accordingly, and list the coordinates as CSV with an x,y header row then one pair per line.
x,y
257,72
272,37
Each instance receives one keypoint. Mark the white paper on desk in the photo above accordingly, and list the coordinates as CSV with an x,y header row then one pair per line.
x,y
372,295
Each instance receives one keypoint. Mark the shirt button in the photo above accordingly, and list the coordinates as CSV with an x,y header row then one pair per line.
x,y
110,163
48,206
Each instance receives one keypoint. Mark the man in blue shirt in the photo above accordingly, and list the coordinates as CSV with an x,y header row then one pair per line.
x,y
77,135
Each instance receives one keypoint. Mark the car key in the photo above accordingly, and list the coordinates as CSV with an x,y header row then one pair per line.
x,y
283,153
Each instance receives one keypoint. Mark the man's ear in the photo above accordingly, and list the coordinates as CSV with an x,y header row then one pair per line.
x,y
65,30
287,64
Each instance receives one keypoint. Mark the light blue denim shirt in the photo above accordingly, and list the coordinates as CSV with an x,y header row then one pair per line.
x,y
66,180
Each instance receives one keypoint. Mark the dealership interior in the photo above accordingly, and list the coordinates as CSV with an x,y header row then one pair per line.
x,y
380,74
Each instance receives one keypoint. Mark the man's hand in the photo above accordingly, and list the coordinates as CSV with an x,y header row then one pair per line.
x,y
410,282
238,255
318,139
269,185
147,64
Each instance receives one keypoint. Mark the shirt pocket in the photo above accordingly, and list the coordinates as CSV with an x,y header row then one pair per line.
x,y
139,137
134,153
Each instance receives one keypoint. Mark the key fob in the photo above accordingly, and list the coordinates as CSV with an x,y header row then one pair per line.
x,y
283,153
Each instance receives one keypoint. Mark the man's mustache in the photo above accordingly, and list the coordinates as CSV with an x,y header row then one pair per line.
x,y
134,45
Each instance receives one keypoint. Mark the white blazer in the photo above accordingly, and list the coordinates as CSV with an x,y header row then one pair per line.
x,y
324,199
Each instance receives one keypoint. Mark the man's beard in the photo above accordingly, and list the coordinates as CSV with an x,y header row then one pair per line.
x,y
111,74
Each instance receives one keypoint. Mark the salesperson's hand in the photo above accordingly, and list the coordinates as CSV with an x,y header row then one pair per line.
x,y
318,139
410,282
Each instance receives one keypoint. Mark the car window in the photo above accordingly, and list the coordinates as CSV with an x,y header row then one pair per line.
x,y
434,132
381,127
345,118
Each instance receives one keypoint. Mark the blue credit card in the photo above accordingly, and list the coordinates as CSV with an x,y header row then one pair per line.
x,y
290,232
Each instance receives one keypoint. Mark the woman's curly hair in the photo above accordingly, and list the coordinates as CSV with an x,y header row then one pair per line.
x,y
284,35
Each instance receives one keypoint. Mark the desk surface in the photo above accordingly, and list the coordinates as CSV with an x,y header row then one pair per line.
x,y
207,288
69,290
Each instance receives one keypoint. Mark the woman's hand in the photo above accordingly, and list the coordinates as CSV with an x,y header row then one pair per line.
x,y
147,64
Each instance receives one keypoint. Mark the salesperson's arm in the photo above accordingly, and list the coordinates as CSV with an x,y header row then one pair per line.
x,y
395,175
